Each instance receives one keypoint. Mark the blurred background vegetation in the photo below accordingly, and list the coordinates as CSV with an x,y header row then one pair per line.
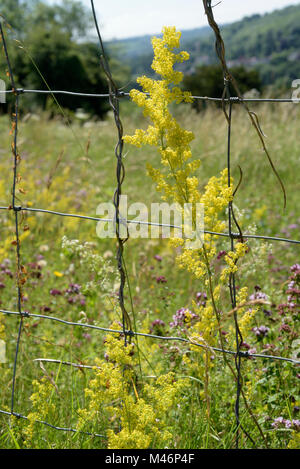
x,y
49,46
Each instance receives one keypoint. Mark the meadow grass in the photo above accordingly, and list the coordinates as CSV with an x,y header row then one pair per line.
x,y
84,177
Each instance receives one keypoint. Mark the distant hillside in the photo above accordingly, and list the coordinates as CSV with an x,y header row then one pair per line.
x,y
269,42
137,51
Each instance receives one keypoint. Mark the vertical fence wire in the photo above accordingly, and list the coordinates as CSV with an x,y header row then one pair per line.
x,y
120,174
15,208
228,79
232,288
220,51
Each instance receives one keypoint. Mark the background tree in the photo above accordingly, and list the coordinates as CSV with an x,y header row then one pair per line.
x,y
53,49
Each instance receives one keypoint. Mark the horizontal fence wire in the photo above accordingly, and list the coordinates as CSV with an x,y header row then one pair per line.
x,y
114,96
162,225
120,94
65,429
244,354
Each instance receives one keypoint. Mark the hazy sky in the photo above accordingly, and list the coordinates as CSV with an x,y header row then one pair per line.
x,y
127,18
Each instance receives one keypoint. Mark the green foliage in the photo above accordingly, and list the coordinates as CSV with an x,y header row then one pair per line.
x,y
24,15
64,65
70,16
16,12
52,50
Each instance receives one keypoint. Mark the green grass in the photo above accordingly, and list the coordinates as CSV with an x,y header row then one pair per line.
x,y
86,177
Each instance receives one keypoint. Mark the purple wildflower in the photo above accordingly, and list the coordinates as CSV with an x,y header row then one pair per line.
x,y
73,288
285,328
295,268
246,346
158,258
201,298
280,422
277,422
55,292
179,318
161,279
261,331
221,254
158,322
258,295
157,326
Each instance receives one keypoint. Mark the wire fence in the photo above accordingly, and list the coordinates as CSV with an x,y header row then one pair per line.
x,y
234,231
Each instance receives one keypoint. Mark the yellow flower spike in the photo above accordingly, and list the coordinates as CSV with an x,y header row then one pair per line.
x,y
177,180
140,416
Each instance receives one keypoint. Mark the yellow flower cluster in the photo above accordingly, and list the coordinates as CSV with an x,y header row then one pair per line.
x,y
245,315
146,418
137,413
42,406
294,442
207,325
231,260
172,142
176,180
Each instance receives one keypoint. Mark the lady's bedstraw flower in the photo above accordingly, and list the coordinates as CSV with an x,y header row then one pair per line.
x,y
138,413
42,406
176,178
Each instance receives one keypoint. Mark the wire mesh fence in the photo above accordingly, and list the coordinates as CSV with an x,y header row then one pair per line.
x,y
234,232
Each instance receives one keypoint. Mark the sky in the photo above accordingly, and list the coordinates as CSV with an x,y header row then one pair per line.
x,y
128,18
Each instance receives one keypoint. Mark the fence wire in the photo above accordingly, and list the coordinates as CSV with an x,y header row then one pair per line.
x,y
121,94
234,232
